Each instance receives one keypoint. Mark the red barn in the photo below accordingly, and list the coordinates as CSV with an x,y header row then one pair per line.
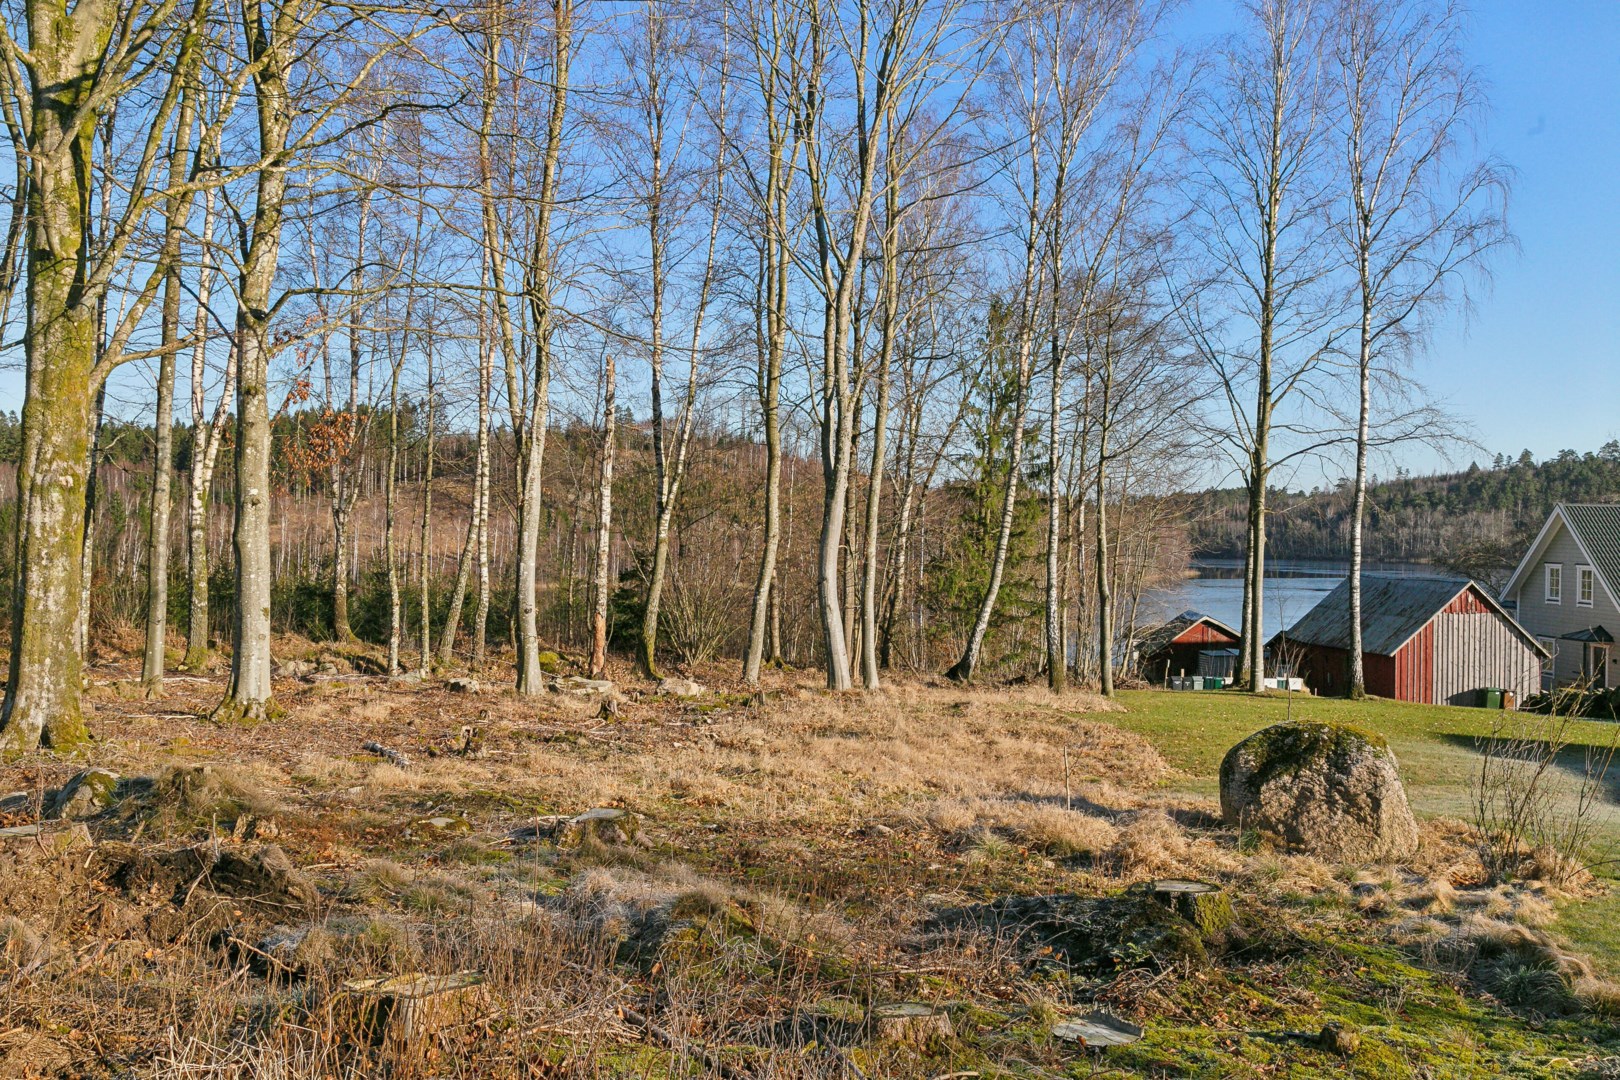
x,y
1432,640
1174,647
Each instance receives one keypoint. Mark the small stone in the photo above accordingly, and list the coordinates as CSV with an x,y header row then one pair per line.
x,y
463,686
682,688
442,825
297,669
72,838
1337,1038
1097,1030
550,662
87,794
575,684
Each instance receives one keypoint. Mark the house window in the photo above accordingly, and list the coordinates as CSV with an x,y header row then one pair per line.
x,y
1555,583
1585,583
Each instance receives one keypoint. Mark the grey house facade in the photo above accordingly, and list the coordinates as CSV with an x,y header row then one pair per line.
x,y
1565,592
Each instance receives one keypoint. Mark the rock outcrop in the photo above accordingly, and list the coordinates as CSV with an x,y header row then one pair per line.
x,y
87,794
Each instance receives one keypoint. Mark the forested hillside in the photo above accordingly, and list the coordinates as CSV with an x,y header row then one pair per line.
x,y
1476,521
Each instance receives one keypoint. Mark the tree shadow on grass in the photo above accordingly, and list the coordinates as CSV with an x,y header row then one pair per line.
x,y
1574,759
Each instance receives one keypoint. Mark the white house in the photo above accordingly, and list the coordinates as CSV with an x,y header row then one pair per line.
x,y
1566,591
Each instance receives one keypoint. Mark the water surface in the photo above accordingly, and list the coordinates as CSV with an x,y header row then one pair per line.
x,y
1293,587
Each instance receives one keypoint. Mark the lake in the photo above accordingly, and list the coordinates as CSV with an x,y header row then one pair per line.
x,y
1293,587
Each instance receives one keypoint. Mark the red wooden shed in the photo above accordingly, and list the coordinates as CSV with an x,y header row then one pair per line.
x,y
1173,647
1434,640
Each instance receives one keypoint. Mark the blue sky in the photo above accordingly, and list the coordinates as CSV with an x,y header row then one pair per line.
x,y
1536,364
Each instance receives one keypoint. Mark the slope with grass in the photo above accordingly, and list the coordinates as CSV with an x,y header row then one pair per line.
x,y
795,860
1438,747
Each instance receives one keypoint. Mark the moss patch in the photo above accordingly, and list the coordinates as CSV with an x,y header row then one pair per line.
x,y
1295,746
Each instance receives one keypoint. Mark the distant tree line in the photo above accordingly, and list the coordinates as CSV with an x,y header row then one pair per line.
x,y
1477,521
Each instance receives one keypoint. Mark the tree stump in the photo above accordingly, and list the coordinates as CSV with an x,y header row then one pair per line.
x,y
404,1013
1200,903
1337,1038
909,1023
606,825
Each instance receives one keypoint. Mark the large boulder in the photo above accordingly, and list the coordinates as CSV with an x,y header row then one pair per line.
x,y
1325,789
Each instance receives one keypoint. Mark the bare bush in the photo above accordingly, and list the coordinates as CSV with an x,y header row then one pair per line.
x,y
1539,801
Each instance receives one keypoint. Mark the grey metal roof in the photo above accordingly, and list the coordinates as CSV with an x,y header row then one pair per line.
x,y
1393,608
1597,527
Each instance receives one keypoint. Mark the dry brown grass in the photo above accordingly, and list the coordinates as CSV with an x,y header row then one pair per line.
x,y
793,849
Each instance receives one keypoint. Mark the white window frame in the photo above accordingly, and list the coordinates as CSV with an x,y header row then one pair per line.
x,y
1549,670
1552,594
1585,586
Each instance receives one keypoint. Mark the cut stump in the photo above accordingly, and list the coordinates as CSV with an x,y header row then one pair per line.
x,y
607,825
403,1014
1098,1030
910,1023
1200,903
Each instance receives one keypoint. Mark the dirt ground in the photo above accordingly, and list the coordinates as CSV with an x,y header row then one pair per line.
x,y
765,875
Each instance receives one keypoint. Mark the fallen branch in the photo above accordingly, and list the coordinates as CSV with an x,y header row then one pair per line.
x,y
256,951
393,756
675,1042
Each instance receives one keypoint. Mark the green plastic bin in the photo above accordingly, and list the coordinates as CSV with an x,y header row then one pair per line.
x,y
1491,697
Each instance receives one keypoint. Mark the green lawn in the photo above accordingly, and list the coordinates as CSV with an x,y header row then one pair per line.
x,y
1435,745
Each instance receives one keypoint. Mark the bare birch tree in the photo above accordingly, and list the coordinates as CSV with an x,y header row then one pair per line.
x,y
1264,319
177,211
540,288
773,29
600,586
1415,220
889,50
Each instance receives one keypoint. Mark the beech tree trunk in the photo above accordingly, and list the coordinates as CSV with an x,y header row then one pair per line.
x,y
157,562
42,703
249,694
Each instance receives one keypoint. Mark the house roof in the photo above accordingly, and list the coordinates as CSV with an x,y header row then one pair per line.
x,y
1393,609
1596,529
1159,636
1597,526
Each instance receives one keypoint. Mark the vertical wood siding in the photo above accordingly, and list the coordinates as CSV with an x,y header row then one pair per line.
x,y
1203,632
1415,667
1380,674
1465,648
1476,651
